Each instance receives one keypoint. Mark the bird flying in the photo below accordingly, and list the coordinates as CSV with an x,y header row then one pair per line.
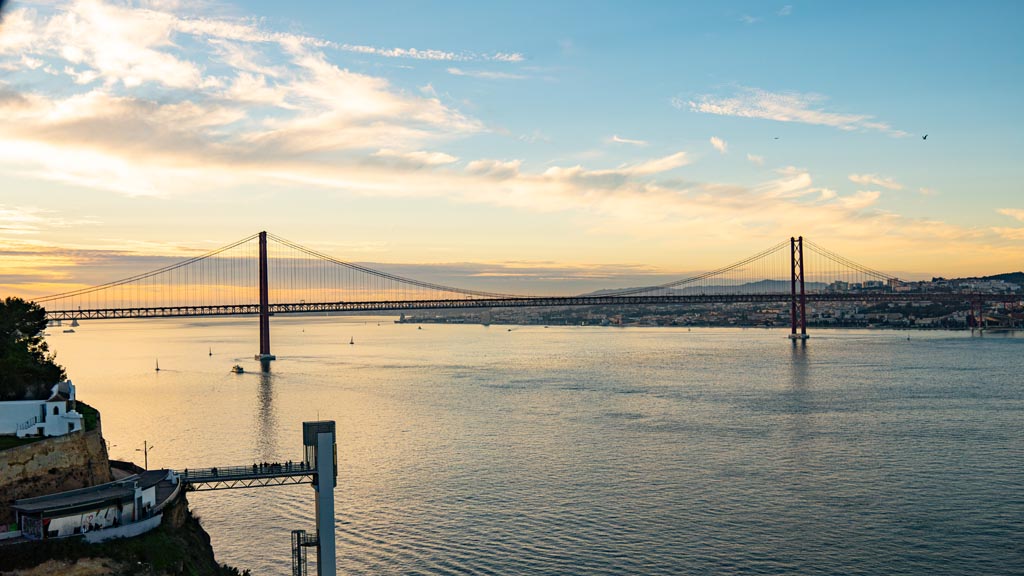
x,y
925,137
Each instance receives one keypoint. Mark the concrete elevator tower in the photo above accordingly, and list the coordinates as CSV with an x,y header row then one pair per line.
x,y
321,454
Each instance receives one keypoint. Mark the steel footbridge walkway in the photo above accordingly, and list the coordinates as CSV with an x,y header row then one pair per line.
x,y
318,466
256,475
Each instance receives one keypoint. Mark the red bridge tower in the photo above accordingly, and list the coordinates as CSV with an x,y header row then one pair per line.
x,y
264,355
798,301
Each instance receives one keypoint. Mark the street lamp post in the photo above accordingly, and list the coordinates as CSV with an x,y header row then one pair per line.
x,y
145,450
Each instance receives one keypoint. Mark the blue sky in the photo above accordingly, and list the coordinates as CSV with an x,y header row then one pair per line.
x,y
671,136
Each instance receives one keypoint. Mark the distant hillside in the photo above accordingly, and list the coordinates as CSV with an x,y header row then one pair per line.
x,y
759,287
1014,277
781,286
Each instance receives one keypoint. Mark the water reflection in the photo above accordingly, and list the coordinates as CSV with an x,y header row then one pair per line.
x,y
798,365
266,418
798,406
490,452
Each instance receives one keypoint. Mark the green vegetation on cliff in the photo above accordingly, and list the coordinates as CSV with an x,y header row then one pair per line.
x,y
90,415
27,368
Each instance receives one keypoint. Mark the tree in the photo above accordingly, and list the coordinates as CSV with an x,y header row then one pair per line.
x,y
27,368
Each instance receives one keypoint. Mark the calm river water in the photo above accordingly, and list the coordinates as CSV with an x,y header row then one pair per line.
x,y
466,449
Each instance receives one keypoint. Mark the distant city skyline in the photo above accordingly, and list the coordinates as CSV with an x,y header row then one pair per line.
x,y
576,144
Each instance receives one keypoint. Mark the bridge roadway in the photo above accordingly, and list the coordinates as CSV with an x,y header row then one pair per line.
x,y
512,302
252,476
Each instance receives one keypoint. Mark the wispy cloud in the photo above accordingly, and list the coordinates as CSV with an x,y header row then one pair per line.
x,y
21,220
648,167
718,144
430,54
32,221
755,159
1010,233
272,110
860,200
494,168
748,19
792,182
486,74
534,137
1016,213
875,180
784,107
140,111
785,10
616,139
927,191
35,267
417,157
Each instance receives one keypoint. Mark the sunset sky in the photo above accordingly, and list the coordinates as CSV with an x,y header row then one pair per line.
x,y
558,141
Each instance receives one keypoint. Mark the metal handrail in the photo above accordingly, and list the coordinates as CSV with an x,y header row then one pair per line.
x,y
237,472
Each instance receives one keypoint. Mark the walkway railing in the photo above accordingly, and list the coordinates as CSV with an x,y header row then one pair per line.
x,y
265,474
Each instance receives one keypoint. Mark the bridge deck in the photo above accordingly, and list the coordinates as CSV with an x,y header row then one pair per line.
x,y
253,476
397,305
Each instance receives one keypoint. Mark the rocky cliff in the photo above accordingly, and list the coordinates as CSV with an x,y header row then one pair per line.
x,y
51,465
179,546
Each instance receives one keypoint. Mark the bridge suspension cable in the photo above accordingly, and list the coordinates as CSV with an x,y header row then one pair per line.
x,y
145,275
846,262
717,273
227,281
385,275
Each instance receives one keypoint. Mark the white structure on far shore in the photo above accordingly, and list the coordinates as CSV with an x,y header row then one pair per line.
x,y
54,416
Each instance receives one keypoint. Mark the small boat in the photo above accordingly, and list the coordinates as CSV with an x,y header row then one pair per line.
x,y
211,351
352,340
237,369
157,365
69,331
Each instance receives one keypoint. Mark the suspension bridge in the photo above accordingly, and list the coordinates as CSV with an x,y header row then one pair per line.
x,y
265,275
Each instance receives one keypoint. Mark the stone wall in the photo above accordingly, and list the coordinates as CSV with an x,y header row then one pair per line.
x,y
51,465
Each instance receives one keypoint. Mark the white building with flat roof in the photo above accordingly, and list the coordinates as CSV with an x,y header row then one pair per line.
x,y
54,416
118,509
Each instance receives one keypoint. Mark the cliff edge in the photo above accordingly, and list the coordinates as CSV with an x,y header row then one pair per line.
x,y
179,546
